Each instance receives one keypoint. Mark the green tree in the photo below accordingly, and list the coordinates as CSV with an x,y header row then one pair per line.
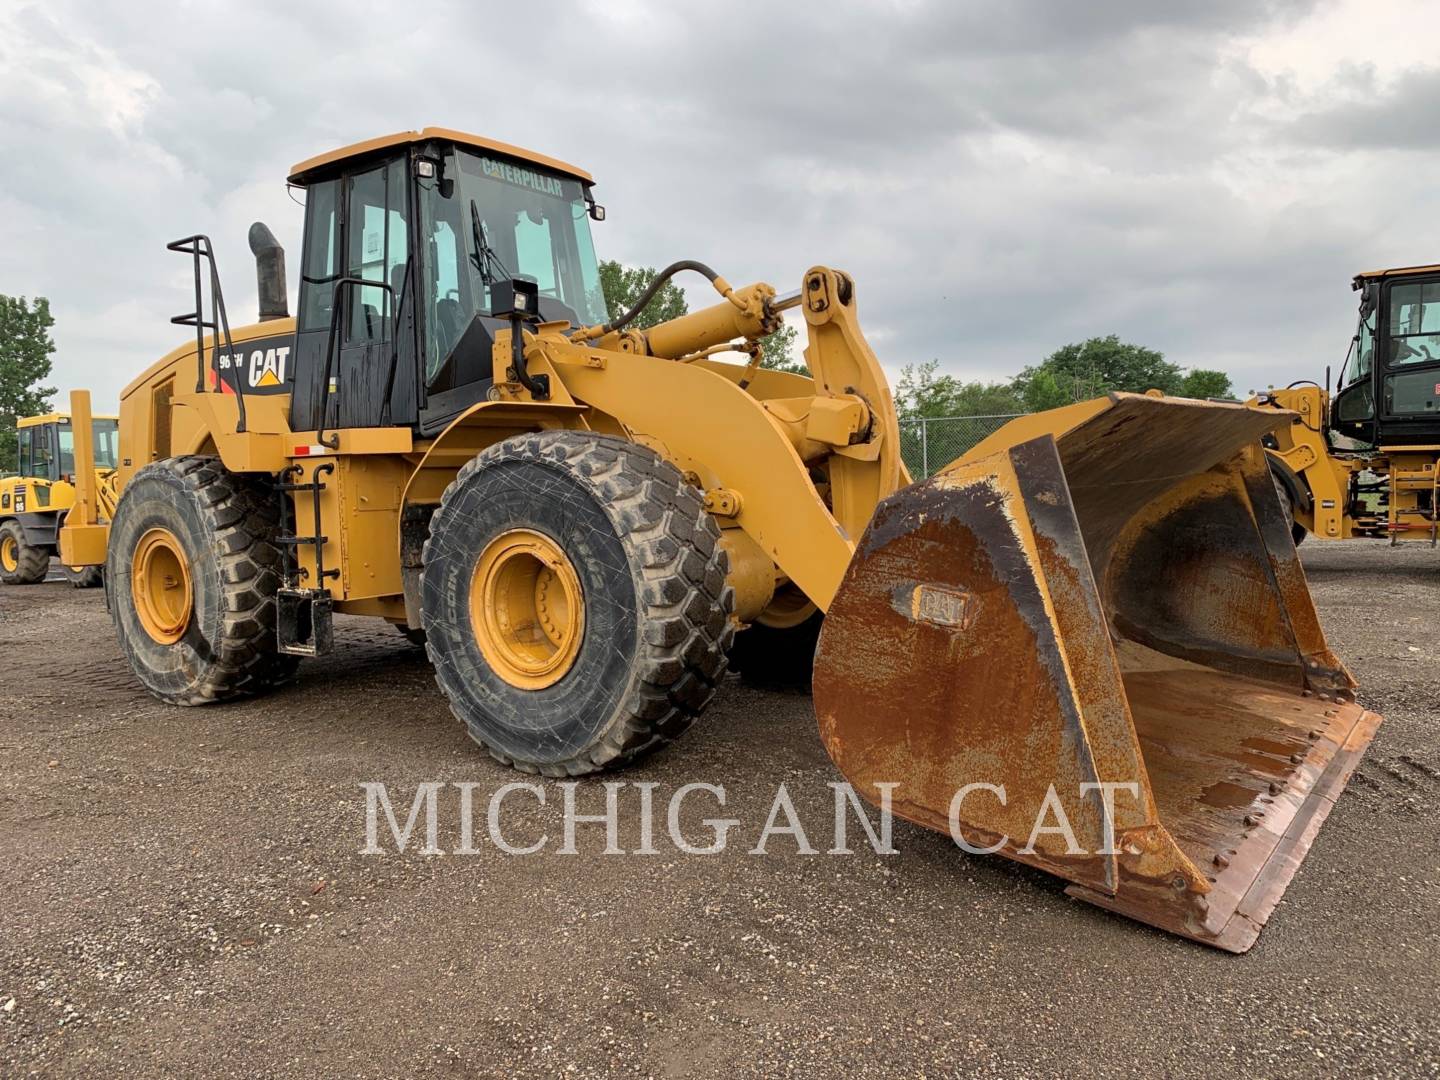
x,y
1205,383
780,352
1044,391
623,286
924,392
1097,366
25,348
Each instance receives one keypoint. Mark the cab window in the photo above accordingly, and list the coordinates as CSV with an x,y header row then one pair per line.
x,y
1414,323
1364,350
376,250
321,268
107,439
41,457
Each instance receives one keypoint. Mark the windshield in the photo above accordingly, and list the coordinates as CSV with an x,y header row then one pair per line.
x,y
106,435
488,219
107,443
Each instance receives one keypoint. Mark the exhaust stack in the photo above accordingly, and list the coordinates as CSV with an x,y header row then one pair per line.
x,y
269,272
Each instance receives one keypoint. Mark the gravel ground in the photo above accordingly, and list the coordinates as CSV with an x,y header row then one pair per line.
x,y
182,893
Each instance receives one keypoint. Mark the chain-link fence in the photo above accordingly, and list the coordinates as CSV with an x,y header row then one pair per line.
x,y
929,444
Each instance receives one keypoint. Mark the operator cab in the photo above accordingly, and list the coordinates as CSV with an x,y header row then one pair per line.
x,y
434,219
47,446
1389,391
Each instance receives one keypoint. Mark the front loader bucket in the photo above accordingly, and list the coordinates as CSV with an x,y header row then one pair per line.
x,y
1099,614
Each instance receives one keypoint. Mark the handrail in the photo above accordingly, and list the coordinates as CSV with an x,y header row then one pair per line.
x,y
198,247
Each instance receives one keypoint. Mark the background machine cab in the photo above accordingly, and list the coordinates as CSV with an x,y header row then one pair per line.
x,y
1364,462
1390,390
33,503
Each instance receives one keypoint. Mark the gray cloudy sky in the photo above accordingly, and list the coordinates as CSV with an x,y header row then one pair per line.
x,y
1000,178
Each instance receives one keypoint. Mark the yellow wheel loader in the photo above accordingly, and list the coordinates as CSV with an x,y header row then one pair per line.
x,y
1086,645
33,502
1363,461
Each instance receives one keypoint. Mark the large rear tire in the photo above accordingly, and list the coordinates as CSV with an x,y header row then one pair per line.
x,y
20,563
575,601
192,574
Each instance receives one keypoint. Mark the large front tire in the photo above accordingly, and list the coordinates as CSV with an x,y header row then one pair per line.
x,y
20,563
192,573
575,601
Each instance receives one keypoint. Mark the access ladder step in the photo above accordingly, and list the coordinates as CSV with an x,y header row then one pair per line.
x,y
304,622
312,485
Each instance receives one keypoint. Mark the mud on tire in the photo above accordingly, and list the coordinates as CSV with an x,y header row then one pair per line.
x,y
226,524
652,576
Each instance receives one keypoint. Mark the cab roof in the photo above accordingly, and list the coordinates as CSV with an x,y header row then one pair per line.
x,y
56,417
304,172
1399,271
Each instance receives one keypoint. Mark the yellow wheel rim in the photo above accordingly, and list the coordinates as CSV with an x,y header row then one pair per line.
x,y
9,554
160,586
526,609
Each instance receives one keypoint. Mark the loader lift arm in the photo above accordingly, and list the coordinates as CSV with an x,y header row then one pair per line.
x,y
762,482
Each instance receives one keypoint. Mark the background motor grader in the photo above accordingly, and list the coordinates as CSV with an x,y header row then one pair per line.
x,y
36,499
1096,613
1362,462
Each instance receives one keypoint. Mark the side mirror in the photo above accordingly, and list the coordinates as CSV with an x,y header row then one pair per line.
x,y
1369,300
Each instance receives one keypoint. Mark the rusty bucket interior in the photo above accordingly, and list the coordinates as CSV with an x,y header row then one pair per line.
x,y
1100,611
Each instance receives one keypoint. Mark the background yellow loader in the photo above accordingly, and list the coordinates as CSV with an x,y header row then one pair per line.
x,y
1096,613
1362,462
36,500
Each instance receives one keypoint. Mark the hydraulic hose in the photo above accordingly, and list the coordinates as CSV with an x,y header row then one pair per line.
x,y
721,286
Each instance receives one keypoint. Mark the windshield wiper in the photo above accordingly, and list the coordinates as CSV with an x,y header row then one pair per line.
x,y
484,257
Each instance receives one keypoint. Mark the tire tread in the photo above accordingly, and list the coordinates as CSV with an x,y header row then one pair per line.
x,y
241,518
686,603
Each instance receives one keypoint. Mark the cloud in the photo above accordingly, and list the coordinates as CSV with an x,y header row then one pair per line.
x,y
1000,179
1403,116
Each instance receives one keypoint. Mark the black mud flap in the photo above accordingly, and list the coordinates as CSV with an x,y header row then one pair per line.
x,y
305,621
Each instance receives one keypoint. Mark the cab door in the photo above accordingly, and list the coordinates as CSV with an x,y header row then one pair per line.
x,y
357,226
1408,404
